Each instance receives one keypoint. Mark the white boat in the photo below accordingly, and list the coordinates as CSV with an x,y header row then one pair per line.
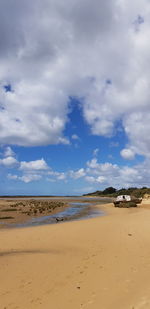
x,y
127,201
122,198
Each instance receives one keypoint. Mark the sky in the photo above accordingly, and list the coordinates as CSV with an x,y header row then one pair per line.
x,y
74,96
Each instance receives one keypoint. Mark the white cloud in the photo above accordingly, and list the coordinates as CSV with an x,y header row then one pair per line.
x,y
137,127
93,163
9,152
8,162
28,178
56,175
102,173
102,169
127,154
25,178
97,51
101,179
33,171
107,174
77,174
61,176
96,180
37,165
95,152
90,179
128,172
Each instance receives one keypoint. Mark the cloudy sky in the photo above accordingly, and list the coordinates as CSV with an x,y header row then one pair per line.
x,y
74,95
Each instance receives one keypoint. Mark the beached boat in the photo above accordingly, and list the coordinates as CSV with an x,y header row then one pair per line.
x,y
127,201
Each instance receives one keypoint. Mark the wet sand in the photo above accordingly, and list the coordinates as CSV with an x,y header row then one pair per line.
x,y
97,263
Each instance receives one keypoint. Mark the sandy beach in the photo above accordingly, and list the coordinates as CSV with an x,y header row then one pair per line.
x,y
97,263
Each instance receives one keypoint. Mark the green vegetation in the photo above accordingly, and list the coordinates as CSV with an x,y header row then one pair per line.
x,y
112,192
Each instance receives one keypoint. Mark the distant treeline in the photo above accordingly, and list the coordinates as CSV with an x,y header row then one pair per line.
x,y
110,191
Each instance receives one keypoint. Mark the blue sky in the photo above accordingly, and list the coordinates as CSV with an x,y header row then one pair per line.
x,y
74,96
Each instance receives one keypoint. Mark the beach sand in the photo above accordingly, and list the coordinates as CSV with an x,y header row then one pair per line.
x,y
97,263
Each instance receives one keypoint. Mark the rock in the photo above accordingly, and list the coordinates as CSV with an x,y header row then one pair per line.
x,y
59,219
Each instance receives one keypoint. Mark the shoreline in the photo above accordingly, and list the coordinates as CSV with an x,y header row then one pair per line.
x,y
97,263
